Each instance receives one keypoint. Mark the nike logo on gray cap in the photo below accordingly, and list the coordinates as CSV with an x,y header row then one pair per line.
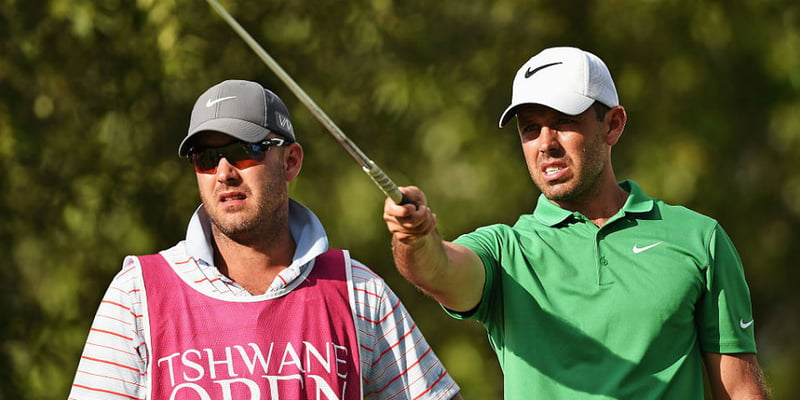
x,y
211,102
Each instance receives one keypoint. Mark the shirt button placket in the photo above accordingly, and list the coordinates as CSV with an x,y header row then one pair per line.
x,y
603,275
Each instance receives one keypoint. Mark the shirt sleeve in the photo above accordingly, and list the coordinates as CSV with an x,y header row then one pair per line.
x,y
486,243
396,361
724,315
113,364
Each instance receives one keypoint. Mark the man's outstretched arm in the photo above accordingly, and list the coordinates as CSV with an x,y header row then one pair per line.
x,y
452,274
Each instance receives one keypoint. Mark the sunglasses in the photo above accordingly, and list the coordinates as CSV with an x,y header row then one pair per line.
x,y
240,154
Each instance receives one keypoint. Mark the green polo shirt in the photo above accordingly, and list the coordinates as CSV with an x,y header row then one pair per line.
x,y
624,311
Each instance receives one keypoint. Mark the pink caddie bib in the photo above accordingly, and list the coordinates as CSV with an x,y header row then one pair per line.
x,y
300,346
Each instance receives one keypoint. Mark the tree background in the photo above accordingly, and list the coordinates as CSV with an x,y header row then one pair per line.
x,y
95,97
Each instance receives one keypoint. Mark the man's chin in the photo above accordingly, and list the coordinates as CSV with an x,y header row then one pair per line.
x,y
560,192
234,227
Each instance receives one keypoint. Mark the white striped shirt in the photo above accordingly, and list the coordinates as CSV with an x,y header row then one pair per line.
x,y
396,361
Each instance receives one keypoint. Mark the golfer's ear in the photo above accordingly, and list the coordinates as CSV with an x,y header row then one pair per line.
x,y
615,122
292,160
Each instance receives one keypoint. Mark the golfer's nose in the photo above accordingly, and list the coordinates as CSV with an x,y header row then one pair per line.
x,y
548,139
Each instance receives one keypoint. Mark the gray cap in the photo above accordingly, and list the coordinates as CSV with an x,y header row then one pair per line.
x,y
242,109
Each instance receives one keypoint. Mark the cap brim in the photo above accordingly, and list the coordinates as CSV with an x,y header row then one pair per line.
x,y
240,129
565,102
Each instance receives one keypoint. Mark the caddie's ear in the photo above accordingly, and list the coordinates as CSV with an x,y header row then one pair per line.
x,y
615,123
292,160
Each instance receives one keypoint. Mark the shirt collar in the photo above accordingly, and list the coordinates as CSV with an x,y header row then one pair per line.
x,y
306,229
638,202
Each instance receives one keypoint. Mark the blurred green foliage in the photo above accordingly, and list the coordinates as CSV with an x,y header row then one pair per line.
x,y
95,97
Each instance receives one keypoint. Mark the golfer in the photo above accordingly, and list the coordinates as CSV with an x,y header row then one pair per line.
x,y
603,292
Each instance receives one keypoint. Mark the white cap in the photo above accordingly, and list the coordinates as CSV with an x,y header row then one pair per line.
x,y
565,79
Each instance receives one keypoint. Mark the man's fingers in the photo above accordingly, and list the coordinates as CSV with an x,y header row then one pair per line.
x,y
408,222
414,194
412,224
416,197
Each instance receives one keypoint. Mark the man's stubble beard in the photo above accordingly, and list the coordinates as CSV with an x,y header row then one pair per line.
x,y
260,225
263,226
584,185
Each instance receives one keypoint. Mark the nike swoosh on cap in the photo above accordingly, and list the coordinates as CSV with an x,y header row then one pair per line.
x,y
211,102
530,72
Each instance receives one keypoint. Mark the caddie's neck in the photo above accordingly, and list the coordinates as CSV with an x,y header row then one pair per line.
x,y
254,265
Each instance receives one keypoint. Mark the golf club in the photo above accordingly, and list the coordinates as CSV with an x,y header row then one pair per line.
x,y
378,176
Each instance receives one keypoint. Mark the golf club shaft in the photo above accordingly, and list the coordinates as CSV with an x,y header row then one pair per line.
x,y
374,172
